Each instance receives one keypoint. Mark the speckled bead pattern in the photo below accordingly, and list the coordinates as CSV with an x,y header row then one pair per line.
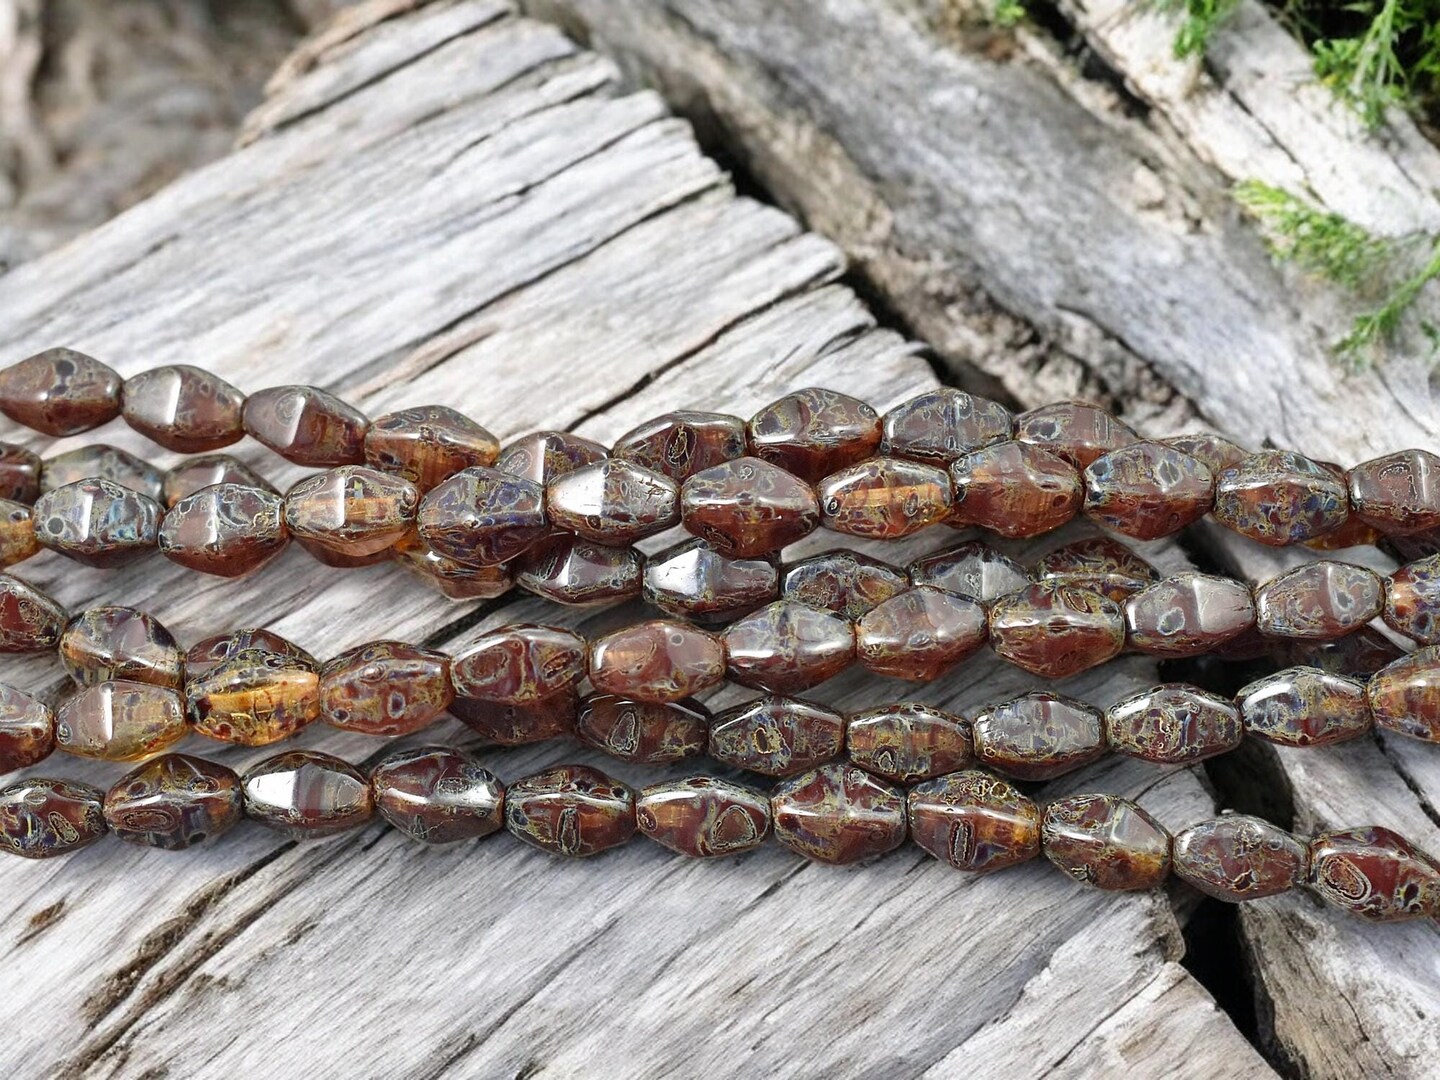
x,y
570,810
908,742
703,818
1278,497
1056,630
351,510
1038,736
17,533
437,795
694,581
577,572
1240,857
121,643
184,408
1376,874
838,814
748,507
942,425
646,732
103,462
385,688
1304,707
42,818
787,647
510,724
208,653
920,634
519,664
19,473
254,697
1105,841
97,522
306,425
427,444
884,498
29,620
613,502
1404,696
1189,614
1075,431
1214,451
1147,490
1319,601
1173,724
776,736
1399,494
1014,489
196,473
120,721
452,579
974,821
60,392
812,432
1100,564
173,802
27,730
973,569
1412,600
544,456
680,444
844,582
229,530
482,516
307,795
657,661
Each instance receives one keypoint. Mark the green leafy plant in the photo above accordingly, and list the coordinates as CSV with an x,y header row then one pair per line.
x,y
1198,21
1008,12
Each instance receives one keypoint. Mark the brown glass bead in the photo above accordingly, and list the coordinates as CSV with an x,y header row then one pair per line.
x,y
884,498
1172,724
207,654
919,634
812,433
1304,707
1399,494
703,817
482,516
104,463
427,444
60,392
228,530
438,795
351,510
694,581
544,456
680,444
306,795
776,736
174,802
748,507
19,473
306,425
508,724
385,688
1188,615
1217,453
29,620
1360,654
184,408
1412,600
1074,430
1278,497
613,502
27,730
571,810
1318,601
651,733
1100,564
1239,857
787,647
97,522
1147,490
17,533
974,569
519,664
1056,630
455,580
974,821
1038,736
1376,874
254,697
1105,841
908,742
193,474
1404,696
941,425
328,556
578,572
838,814
1015,489
120,721
660,660
1353,533
844,582
41,818
105,643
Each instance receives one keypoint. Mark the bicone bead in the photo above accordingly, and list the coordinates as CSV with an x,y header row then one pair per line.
x,y
437,795
1239,857
748,507
884,498
506,723
1172,724
1376,874
908,742
1076,431
17,533
974,821
657,661
613,502
543,456
208,653
1404,696
1215,452
42,818
943,424
647,732
845,582
385,688
254,697
693,580
812,433
228,530
29,620
482,516
174,801
1412,600
1101,564
703,817
60,392
1147,490
570,810
1279,497
1014,489
306,795
27,730
306,425
458,581
519,664
207,470
920,633
99,461
838,814
425,445
1304,706
577,572
1038,736
351,510
1056,630
1188,614
1399,494
776,736
121,643
972,569
184,408
787,647
97,522
1105,841
19,473
680,444
120,721
1360,654
1318,601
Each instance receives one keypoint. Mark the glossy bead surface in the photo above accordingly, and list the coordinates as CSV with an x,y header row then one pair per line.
x,y
102,462
306,425
577,572
120,721
571,810
1360,654
883,498
1147,490
974,569
1014,489
1172,724
1188,614
544,456
17,533
1100,564
838,814
385,688
1074,430
1278,497
19,473
1056,630
812,432
60,392
613,502
121,643
658,661
42,818
1038,736
703,817
519,664
509,724
974,821
647,732
351,510
456,580
427,444
1404,696
844,582
680,444
787,647
1375,873
1318,601
1412,600
184,408
482,516
207,470
693,580
29,620
1215,452
97,522
1304,706
27,730
254,697
437,795
1105,841
228,530
776,736
908,742
1238,857
208,653
748,507
920,633
173,802
943,424
306,795
1399,494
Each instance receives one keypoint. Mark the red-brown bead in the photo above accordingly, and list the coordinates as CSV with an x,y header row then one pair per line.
x,y
1376,874
1056,630
647,732
812,433
306,425
884,498
776,736
974,821
519,664
184,408
1015,489
1105,841
385,688
920,633
570,810
1147,490
787,647
658,661
1239,857
838,814
1188,614
1399,494
748,507
1038,736
425,445
1319,601
680,444
703,817
908,742
1073,430
940,425
60,392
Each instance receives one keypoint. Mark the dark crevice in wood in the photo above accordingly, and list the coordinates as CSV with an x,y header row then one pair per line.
x,y
1090,64
1215,955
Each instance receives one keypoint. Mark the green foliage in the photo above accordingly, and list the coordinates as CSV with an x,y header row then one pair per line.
x,y
1372,330
1199,18
1008,12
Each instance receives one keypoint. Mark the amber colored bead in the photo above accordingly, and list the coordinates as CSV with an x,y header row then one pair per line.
x,y
1100,564
27,730
838,814
105,643
544,456
1304,707
776,736
184,408
174,802
328,556
812,433
578,572
648,732
1074,430
97,522
786,647
613,502
60,392
1318,601
1376,874
1215,452
509,724
438,795
1172,724
1239,857
193,474
1398,494
29,620
1352,533
306,425
1038,736
1056,630
306,794
41,818
228,530
660,660
680,444
845,582
884,498
1278,497
519,664
120,721
748,507
941,425
974,821
17,533
703,817
453,579
208,653
694,581
19,473
1147,490
973,569
254,698
1404,696
1360,654
908,742
103,463
385,688
920,633
425,445
1105,841
1412,600
351,510
1188,615
482,516
1014,489
570,810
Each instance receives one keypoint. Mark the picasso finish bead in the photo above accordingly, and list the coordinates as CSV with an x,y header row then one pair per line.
x,y
1404,696
40,818
1100,564
19,473
1076,431
228,530
692,580
1278,497
437,795
120,721
508,724
519,664
748,507
205,655
1303,706
657,661
1376,874
174,801
908,742
1215,452
121,643
184,408
1147,490
1038,736
844,582
307,795
776,736
385,688
306,425
207,470
1412,600
812,433
884,498
1399,494
577,572
543,456
1014,489
458,581
1319,601
838,814
29,620
919,634
27,730
613,502
646,732
482,516
1105,841
570,810
425,445
973,821
99,461
702,817
1238,857
351,510
254,697
60,392
680,444
1056,630
1172,724
97,522
973,569
1189,614
941,425
787,647
17,533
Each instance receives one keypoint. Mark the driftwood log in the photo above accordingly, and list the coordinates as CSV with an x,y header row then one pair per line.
x,y
449,202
